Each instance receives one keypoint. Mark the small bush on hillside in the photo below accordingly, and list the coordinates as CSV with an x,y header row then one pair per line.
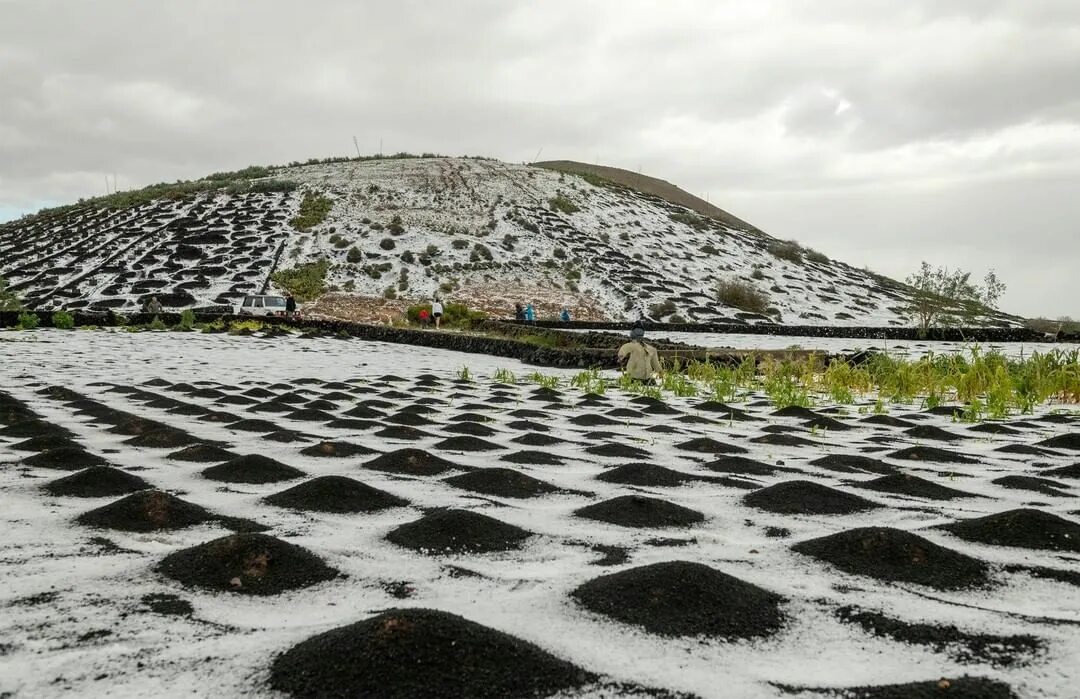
x,y
305,282
396,227
314,209
459,244
665,308
454,314
815,256
349,286
354,255
389,293
694,221
559,253
387,244
742,295
63,320
480,252
786,250
563,205
28,320
8,300
709,249
187,319
407,257
757,274
624,236
158,324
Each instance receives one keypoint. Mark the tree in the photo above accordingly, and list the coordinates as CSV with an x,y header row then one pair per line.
x,y
8,300
948,297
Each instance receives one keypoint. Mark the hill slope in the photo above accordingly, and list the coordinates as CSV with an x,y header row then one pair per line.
x,y
409,227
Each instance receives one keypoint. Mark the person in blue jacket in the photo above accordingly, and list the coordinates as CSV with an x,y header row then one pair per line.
x,y
530,313
564,316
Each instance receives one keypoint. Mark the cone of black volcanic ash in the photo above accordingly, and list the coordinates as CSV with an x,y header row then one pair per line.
x,y
422,653
335,494
458,531
147,510
895,555
640,511
250,564
252,468
683,599
807,498
95,482
1024,528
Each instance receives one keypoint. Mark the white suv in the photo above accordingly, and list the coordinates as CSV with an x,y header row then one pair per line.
x,y
262,306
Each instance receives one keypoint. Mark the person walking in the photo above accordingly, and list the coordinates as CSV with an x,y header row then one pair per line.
x,y
530,313
519,312
290,306
424,317
154,306
638,358
437,311
564,315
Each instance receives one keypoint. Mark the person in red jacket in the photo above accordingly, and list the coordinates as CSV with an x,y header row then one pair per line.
x,y
424,316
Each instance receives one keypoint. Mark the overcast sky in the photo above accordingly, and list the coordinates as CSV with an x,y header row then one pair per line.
x,y
879,132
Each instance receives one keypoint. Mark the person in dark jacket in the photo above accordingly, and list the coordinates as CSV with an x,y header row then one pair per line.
x,y
519,312
290,306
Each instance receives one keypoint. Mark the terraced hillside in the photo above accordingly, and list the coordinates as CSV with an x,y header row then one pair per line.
x,y
411,227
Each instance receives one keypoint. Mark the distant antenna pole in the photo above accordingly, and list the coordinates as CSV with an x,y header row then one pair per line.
x,y
107,185
380,146
115,187
357,144
537,158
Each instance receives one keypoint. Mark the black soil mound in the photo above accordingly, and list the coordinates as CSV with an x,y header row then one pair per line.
x,y
824,422
646,475
705,445
903,484
853,463
590,420
457,531
96,482
783,440
501,482
641,512
963,646
250,564
532,439
886,421
950,687
1044,486
1025,528
618,451
167,605
474,429
402,432
931,432
147,510
536,458
24,429
1063,441
1064,471
413,462
994,428
683,599
895,555
795,411
166,438
934,454
806,498
466,443
422,653
64,459
287,437
263,426
337,450
742,466
202,454
252,468
45,443
335,494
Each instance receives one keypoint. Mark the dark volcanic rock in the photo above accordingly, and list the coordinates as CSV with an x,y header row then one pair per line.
x,y
646,475
641,512
166,438
784,440
501,482
807,498
895,555
335,494
886,421
413,462
263,426
95,482
422,653
249,564
683,599
903,484
452,531
252,468
1025,528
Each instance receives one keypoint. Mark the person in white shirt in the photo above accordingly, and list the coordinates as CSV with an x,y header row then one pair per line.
x,y
436,311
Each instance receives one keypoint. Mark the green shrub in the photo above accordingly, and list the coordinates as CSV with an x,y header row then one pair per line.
x,y
432,250
665,308
454,314
407,257
349,286
389,293
480,252
559,254
157,324
815,256
563,205
396,227
305,282
314,209
387,244
354,255
28,320
786,250
8,300
459,244
742,295
187,319
709,249
63,320
757,274
694,221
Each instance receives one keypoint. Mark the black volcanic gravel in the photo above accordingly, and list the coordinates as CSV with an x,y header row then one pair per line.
x,y
535,458
1072,471
646,475
252,468
532,439
742,466
1025,528
287,437
249,564
961,645
1043,486
46,442
931,432
166,438
934,454
147,510
590,420
617,451
422,653
892,554
95,482
202,453
783,440
501,482
466,443
64,459
336,450
335,494
904,484
474,429
680,598
994,428
450,531
806,498
942,688
853,463
706,445
641,512
413,462
407,418
1069,441
886,421
254,426
402,432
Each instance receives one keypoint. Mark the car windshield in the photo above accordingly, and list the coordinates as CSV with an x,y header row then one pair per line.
x,y
274,302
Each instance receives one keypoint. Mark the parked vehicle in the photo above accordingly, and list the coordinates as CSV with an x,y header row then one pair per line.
x,y
262,306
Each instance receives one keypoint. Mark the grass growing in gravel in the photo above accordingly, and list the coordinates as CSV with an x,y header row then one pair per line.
x,y
305,282
313,210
